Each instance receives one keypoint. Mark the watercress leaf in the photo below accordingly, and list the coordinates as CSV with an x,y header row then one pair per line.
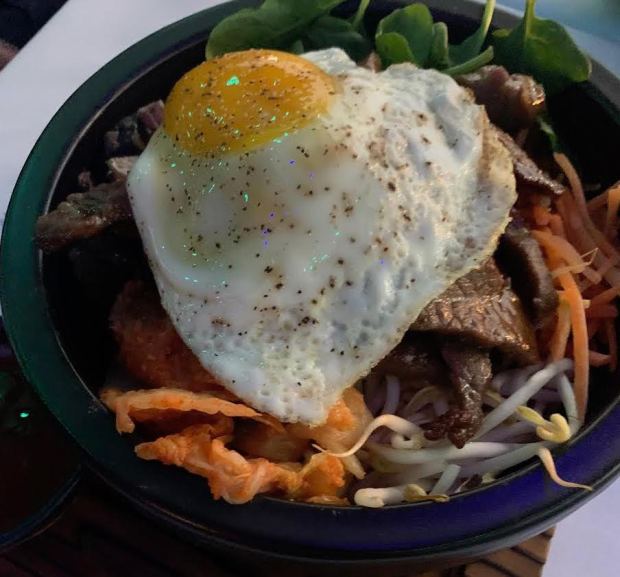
x,y
471,65
274,24
552,56
329,31
500,35
393,48
544,49
358,17
471,46
508,46
296,47
439,56
245,29
414,24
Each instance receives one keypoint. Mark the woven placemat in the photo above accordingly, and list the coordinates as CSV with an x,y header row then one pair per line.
x,y
99,535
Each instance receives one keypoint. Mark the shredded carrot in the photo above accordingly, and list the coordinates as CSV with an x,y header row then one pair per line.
x,y
598,218
562,330
594,326
574,230
556,225
592,276
574,182
559,246
612,342
601,312
598,359
580,201
597,202
608,267
605,297
580,341
566,251
581,239
585,262
613,204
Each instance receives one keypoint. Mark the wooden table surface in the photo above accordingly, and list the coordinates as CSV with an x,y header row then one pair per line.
x,y
99,535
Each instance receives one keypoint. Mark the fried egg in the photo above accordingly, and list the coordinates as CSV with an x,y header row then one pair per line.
x,y
299,212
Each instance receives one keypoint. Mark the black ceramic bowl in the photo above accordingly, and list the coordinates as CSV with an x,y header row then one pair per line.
x,y
64,348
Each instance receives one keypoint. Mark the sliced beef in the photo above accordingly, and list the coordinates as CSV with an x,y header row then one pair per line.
x,y
416,358
150,118
86,214
131,135
124,139
520,257
512,101
120,166
83,215
103,263
470,369
481,309
463,369
470,373
85,181
529,176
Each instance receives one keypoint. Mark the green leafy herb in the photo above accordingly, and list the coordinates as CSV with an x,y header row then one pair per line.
x,y
275,24
542,48
538,47
411,26
358,17
296,47
393,48
471,65
410,35
330,31
439,55
291,25
471,47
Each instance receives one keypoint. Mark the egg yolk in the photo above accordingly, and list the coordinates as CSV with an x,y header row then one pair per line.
x,y
243,100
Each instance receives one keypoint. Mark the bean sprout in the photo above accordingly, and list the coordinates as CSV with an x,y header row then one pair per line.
x,y
396,424
392,395
447,479
447,453
536,382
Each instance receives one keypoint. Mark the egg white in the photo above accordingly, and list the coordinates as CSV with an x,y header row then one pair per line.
x,y
292,269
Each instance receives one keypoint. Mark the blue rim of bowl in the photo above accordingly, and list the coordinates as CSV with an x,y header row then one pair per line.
x,y
512,508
